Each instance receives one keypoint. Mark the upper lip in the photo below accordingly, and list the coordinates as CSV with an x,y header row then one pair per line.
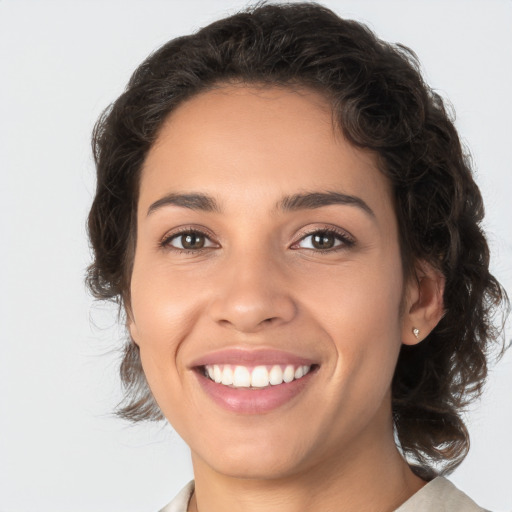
x,y
251,357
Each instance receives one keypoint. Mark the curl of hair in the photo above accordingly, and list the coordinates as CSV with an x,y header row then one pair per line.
x,y
380,102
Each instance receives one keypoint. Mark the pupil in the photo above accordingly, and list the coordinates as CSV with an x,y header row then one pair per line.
x,y
323,241
193,241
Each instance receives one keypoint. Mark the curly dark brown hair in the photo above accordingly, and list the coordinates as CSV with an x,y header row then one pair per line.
x,y
380,102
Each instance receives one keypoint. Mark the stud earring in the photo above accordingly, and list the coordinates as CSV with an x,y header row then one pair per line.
x,y
416,332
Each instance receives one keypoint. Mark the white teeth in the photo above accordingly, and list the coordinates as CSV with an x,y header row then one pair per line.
x,y
289,373
227,376
241,377
301,371
275,376
260,376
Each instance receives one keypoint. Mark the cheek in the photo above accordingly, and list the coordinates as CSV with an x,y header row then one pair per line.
x,y
165,310
358,298
161,303
360,310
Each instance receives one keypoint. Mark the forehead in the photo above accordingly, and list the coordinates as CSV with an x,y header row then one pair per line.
x,y
259,141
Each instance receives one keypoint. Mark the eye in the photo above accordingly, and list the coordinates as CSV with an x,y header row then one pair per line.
x,y
190,240
324,240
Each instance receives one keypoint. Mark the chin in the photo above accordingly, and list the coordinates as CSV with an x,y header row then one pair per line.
x,y
267,467
257,457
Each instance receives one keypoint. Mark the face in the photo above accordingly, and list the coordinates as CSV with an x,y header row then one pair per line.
x,y
267,283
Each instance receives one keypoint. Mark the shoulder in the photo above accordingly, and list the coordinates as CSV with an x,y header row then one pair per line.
x,y
439,495
180,502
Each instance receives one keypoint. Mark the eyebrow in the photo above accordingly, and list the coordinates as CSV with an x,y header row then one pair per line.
x,y
200,202
312,200
304,201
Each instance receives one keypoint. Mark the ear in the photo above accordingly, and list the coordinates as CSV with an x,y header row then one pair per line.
x,y
131,325
132,329
424,305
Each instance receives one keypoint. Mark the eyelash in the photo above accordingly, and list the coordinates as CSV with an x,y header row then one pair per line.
x,y
166,241
346,240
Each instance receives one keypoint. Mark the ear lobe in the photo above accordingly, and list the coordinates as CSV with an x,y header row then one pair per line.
x,y
424,304
132,327
130,322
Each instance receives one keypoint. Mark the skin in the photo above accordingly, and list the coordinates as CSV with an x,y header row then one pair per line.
x,y
260,283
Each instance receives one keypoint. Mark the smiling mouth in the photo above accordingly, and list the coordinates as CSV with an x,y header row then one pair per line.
x,y
256,377
244,382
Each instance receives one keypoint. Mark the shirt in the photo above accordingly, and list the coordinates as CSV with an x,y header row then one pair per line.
x,y
439,495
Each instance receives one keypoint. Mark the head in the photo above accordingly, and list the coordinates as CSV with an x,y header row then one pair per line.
x,y
393,132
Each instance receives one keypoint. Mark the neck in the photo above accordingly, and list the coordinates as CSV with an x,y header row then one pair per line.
x,y
368,475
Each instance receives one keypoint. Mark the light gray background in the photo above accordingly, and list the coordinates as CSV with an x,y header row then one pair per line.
x,y
61,63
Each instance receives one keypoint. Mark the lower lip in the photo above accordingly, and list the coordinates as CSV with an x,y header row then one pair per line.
x,y
253,400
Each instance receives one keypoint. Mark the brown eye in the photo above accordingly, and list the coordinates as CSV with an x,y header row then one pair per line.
x,y
189,241
192,241
323,240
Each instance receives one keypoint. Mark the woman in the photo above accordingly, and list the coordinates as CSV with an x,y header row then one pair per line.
x,y
286,215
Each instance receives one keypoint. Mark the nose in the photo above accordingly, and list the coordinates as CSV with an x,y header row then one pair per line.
x,y
252,294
